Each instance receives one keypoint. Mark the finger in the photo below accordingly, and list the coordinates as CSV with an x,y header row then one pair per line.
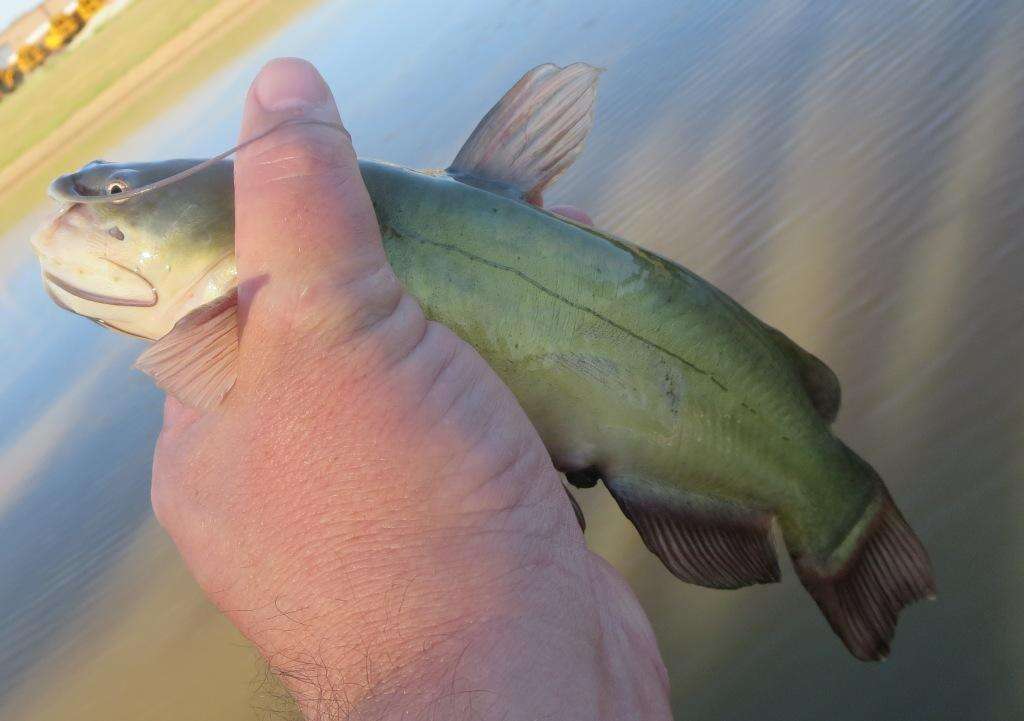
x,y
178,416
568,211
302,211
179,419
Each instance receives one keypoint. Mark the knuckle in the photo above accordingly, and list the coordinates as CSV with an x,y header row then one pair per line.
x,y
341,307
351,335
357,306
379,340
367,299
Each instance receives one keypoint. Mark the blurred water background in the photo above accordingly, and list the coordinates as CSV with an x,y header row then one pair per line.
x,y
851,172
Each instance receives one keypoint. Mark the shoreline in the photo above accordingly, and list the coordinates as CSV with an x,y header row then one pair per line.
x,y
222,33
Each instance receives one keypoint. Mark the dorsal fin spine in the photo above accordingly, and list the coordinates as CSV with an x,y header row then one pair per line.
x,y
533,134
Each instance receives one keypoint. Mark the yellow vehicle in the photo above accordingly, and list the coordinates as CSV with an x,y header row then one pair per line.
x,y
87,8
29,58
10,78
62,29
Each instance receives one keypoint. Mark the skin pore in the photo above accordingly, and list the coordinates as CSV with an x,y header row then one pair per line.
x,y
370,506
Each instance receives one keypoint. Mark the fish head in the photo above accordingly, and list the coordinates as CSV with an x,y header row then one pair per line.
x,y
140,264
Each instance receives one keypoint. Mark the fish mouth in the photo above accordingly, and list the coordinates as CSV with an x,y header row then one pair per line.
x,y
70,245
53,296
98,321
103,298
70,216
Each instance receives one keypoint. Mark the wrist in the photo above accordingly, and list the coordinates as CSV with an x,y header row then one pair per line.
x,y
561,650
540,648
385,607
431,639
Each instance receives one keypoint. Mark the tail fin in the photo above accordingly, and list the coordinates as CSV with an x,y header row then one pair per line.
x,y
890,570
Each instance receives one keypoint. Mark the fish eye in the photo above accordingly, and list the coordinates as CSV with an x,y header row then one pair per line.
x,y
116,186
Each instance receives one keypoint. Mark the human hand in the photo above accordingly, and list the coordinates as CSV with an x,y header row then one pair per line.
x,y
370,505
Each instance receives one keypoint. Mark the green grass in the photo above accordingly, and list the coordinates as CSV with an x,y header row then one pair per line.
x,y
52,93
69,82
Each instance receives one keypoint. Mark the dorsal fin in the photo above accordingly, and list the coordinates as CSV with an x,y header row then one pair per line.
x,y
196,361
533,134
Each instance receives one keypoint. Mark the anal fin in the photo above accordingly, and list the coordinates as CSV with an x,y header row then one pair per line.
x,y
701,541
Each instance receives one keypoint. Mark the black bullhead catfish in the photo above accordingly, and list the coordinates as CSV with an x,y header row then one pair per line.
x,y
706,424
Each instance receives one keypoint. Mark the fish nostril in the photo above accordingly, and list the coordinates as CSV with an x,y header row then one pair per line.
x,y
116,233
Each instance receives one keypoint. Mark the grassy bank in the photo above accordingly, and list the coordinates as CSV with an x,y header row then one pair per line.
x,y
70,80
137,64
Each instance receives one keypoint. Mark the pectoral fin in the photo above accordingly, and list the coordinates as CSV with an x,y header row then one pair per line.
x,y
701,541
196,361
533,134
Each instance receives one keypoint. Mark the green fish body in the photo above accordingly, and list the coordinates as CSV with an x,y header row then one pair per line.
x,y
662,382
703,422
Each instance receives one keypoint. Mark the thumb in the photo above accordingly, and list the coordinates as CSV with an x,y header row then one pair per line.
x,y
304,223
